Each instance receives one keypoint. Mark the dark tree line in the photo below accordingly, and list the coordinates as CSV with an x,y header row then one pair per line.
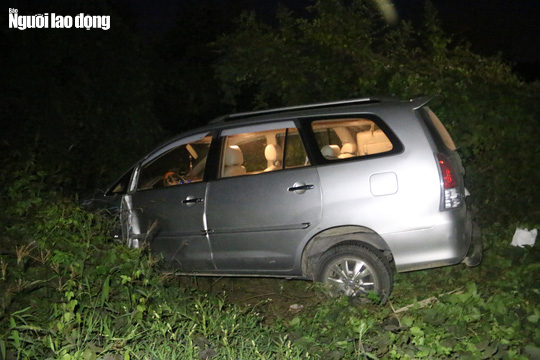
x,y
86,104
79,101
345,50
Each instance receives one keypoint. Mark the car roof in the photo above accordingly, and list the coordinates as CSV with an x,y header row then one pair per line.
x,y
286,113
295,108
329,108
368,104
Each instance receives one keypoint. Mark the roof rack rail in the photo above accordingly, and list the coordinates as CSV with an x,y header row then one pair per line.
x,y
368,100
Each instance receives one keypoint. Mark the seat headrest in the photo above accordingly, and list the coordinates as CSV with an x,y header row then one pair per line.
x,y
348,148
330,151
233,156
273,152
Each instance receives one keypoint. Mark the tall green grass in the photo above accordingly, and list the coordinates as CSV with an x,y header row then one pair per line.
x,y
68,292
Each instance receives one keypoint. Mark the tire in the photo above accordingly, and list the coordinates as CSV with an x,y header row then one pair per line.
x,y
355,271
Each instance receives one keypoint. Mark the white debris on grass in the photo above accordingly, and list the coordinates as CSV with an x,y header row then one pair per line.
x,y
524,237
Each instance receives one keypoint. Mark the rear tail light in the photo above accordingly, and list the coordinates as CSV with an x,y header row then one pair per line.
x,y
451,196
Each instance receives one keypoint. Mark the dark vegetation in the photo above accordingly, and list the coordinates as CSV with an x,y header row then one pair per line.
x,y
79,107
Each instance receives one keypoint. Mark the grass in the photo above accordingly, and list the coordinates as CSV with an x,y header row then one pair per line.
x,y
68,292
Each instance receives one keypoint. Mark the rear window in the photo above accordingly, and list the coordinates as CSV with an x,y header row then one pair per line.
x,y
441,130
350,138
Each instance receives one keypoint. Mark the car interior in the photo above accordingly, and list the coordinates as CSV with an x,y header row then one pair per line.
x,y
265,151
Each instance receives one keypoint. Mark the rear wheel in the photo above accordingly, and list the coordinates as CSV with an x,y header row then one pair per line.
x,y
355,270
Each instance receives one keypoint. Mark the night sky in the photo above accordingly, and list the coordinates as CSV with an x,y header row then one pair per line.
x,y
509,28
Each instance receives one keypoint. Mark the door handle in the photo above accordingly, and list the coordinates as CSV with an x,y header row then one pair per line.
x,y
192,200
301,187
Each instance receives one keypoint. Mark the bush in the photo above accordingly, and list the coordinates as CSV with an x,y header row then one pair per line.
x,y
345,51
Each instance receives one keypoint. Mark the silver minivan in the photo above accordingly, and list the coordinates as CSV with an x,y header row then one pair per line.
x,y
345,193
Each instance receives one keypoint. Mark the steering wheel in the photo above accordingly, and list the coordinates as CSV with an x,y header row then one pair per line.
x,y
171,178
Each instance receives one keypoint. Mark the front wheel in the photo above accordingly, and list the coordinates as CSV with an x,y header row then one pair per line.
x,y
355,270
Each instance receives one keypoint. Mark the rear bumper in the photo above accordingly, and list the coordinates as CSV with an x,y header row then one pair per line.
x,y
448,242
474,256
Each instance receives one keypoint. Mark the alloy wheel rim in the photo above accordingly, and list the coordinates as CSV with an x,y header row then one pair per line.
x,y
350,277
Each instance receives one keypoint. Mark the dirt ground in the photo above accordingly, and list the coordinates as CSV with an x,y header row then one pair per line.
x,y
272,298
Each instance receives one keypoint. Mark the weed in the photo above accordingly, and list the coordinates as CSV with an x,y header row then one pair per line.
x,y
71,293
3,268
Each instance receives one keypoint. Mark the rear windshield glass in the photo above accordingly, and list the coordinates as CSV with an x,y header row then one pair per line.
x,y
441,130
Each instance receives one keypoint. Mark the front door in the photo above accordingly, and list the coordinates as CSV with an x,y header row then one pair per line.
x,y
168,205
266,200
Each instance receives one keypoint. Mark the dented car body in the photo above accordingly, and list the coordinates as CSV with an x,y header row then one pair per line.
x,y
345,193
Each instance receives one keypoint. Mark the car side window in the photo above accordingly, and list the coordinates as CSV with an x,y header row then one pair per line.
x,y
121,185
349,138
258,152
180,165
